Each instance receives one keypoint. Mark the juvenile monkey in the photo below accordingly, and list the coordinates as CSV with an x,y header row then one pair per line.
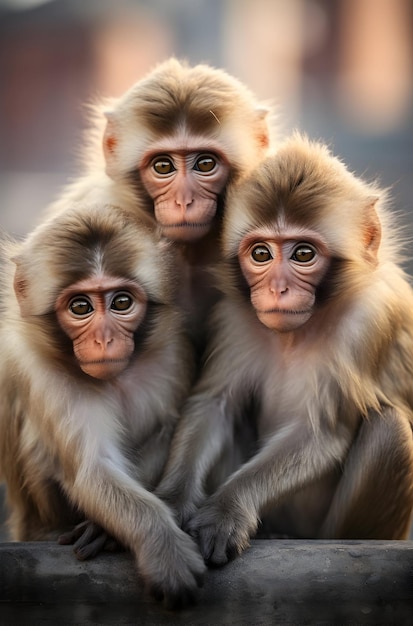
x,y
316,327
171,145
94,367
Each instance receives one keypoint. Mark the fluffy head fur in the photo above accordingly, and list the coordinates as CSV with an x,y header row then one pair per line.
x,y
85,241
304,185
201,100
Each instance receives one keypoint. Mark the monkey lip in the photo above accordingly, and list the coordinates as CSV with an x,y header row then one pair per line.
x,y
103,361
186,231
188,225
104,369
287,311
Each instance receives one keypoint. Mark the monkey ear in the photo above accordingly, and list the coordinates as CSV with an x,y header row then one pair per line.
x,y
20,286
263,134
371,230
110,141
34,288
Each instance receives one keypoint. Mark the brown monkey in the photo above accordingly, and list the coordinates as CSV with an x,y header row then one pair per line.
x,y
94,366
317,327
171,144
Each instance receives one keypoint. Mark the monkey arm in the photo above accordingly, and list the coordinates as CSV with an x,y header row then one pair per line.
x,y
170,564
199,439
97,479
290,460
207,427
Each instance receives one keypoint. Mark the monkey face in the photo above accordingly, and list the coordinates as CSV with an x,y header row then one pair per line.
x,y
283,269
100,316
184,176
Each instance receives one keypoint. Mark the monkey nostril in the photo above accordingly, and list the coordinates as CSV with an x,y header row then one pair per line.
x,y
278,290
103,343
183,204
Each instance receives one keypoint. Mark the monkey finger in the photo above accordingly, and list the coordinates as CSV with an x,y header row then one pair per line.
x,y
91,549
219,555
212,546
66,539
71,536
90,543
90,531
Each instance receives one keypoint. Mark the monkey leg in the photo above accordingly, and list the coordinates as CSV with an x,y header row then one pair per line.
x,y
374,498
39,512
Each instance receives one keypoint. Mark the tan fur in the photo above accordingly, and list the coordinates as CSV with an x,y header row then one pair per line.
x,y
202,99
171,97
334,401
180,105
71,445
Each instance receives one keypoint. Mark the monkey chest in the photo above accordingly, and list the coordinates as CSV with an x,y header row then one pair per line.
x,y
287,395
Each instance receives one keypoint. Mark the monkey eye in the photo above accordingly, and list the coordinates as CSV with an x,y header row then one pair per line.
x,y
121,302
163,166
80,305
261,254
205,163
303,253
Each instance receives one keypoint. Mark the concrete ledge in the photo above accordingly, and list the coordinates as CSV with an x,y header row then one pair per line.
x,y
274,582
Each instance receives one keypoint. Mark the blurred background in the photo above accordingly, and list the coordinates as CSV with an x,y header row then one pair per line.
x,y
341,70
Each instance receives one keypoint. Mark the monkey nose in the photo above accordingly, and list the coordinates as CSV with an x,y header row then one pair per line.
x,y
103,342
184,203
278,290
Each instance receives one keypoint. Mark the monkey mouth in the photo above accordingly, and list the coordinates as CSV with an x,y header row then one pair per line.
x,y
287,311
100,361
104,369
186,231
188,225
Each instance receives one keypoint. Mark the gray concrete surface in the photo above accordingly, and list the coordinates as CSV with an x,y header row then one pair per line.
x,y
274,582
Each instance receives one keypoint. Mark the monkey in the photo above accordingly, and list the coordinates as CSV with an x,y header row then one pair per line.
x,y
169,147
316,325
94,366
166,150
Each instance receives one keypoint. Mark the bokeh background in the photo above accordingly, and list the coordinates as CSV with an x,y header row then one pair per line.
x,y
340,70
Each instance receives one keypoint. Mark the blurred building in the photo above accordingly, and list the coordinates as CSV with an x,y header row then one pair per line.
x,y
339,69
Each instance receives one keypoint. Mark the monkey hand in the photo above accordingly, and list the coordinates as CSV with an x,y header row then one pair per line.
x,y
171,568
88,540
184,512
184,507
222,529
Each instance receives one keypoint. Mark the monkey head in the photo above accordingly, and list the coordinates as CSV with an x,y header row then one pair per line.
x,y
101,314
93,272
298,228
182,133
